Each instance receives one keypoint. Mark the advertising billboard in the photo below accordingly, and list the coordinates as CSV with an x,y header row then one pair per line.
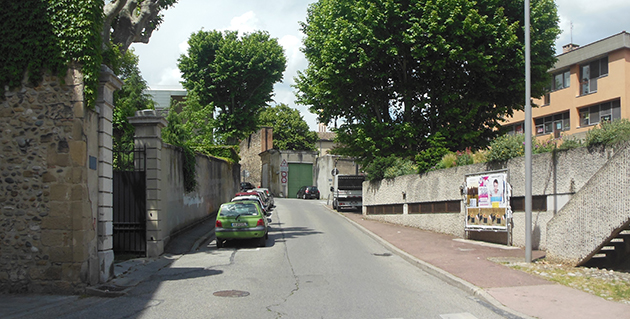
x,y
487,198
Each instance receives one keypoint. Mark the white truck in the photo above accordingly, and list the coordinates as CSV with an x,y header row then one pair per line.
x,y
347,192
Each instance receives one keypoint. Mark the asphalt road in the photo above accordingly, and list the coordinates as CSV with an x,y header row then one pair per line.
x,y
316,265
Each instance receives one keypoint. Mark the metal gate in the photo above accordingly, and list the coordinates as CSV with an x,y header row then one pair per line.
x,y
130,201
300,174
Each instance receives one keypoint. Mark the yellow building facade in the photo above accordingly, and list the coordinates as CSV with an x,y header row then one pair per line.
x,y
590,84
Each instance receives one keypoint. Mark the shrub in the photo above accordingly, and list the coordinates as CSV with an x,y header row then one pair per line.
x,y
449,160
401,167
479,157
542,147
609,133
570,143
429,158
464,158
505,147
389,167
375,170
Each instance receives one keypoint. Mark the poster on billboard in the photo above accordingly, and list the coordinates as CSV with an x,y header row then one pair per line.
x,y
487,197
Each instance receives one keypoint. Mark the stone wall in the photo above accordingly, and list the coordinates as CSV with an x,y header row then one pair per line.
x,y
217,183
48,195
323,172
250,148
557,175
595,213
169,208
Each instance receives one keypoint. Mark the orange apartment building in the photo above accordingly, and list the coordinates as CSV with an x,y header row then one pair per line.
x,y
590,84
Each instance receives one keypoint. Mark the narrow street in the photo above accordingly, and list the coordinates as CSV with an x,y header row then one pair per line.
x,y
316,265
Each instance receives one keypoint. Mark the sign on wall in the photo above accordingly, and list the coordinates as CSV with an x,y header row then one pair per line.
x,y
487,197
284,172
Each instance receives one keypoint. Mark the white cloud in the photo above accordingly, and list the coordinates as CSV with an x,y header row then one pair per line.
x,y
169,78
245,23
183,47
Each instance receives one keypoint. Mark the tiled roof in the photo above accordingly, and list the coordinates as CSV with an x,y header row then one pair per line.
x,y
326,135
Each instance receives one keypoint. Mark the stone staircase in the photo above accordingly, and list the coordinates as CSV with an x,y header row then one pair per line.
x,y
614,252
595,224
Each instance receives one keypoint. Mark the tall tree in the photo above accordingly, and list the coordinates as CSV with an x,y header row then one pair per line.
x,y
235,75
129,21
290,131
129,99
396,72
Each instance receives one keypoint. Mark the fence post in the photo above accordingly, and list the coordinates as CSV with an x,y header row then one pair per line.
x,y
105,108
148,134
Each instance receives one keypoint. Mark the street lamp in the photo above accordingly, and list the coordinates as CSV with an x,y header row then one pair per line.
x,y
528,142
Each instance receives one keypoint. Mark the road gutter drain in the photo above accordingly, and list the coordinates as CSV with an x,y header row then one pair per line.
x,y
231,293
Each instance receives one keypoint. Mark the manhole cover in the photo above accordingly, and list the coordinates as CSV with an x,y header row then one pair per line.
x,y
231,293
383,255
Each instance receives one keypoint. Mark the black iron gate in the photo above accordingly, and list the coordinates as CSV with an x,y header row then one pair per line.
x,y
130,201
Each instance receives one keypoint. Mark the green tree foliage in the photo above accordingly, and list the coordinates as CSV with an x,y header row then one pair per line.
x,y
198,121
233,75
428,158
290,131
395,72
40,36
175,134
129,99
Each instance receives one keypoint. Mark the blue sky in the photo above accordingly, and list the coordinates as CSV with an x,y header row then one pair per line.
x,y
591,20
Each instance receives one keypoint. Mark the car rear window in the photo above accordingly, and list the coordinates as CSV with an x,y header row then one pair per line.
x,y
237,209
313,189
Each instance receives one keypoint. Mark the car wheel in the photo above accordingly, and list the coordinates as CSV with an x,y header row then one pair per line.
x,y
304,196
262,242
219,243
267,235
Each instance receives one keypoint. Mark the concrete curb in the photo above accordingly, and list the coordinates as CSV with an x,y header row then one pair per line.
x,y
438,272
208,237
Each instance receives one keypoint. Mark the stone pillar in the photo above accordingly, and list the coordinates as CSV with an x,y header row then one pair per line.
x,y
105,107
148,134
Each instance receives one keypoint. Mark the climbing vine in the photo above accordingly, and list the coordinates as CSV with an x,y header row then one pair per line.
x,y
48,35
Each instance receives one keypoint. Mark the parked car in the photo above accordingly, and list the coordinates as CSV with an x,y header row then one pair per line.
x,y
241,220
308,192
251,192
257,200
267,196
247,186
266,191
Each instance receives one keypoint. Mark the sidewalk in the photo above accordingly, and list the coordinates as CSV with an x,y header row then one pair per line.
x,y
465,264
127,274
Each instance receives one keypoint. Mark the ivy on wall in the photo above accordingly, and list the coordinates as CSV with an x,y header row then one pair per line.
x,y
48,35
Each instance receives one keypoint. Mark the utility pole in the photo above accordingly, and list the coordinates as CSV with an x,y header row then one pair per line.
x,y
528,141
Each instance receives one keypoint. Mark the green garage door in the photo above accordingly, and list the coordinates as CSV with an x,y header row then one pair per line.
x,y
299,175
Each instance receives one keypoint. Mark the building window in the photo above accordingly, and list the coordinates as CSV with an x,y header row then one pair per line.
x,y
605,112
546,99
561,80
517,128
590,73
549,124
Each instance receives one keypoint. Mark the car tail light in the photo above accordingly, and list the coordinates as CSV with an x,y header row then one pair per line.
x,y
260,223
219,224
306,191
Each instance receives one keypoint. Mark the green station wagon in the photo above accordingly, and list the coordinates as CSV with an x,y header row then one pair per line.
x,y
241,220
